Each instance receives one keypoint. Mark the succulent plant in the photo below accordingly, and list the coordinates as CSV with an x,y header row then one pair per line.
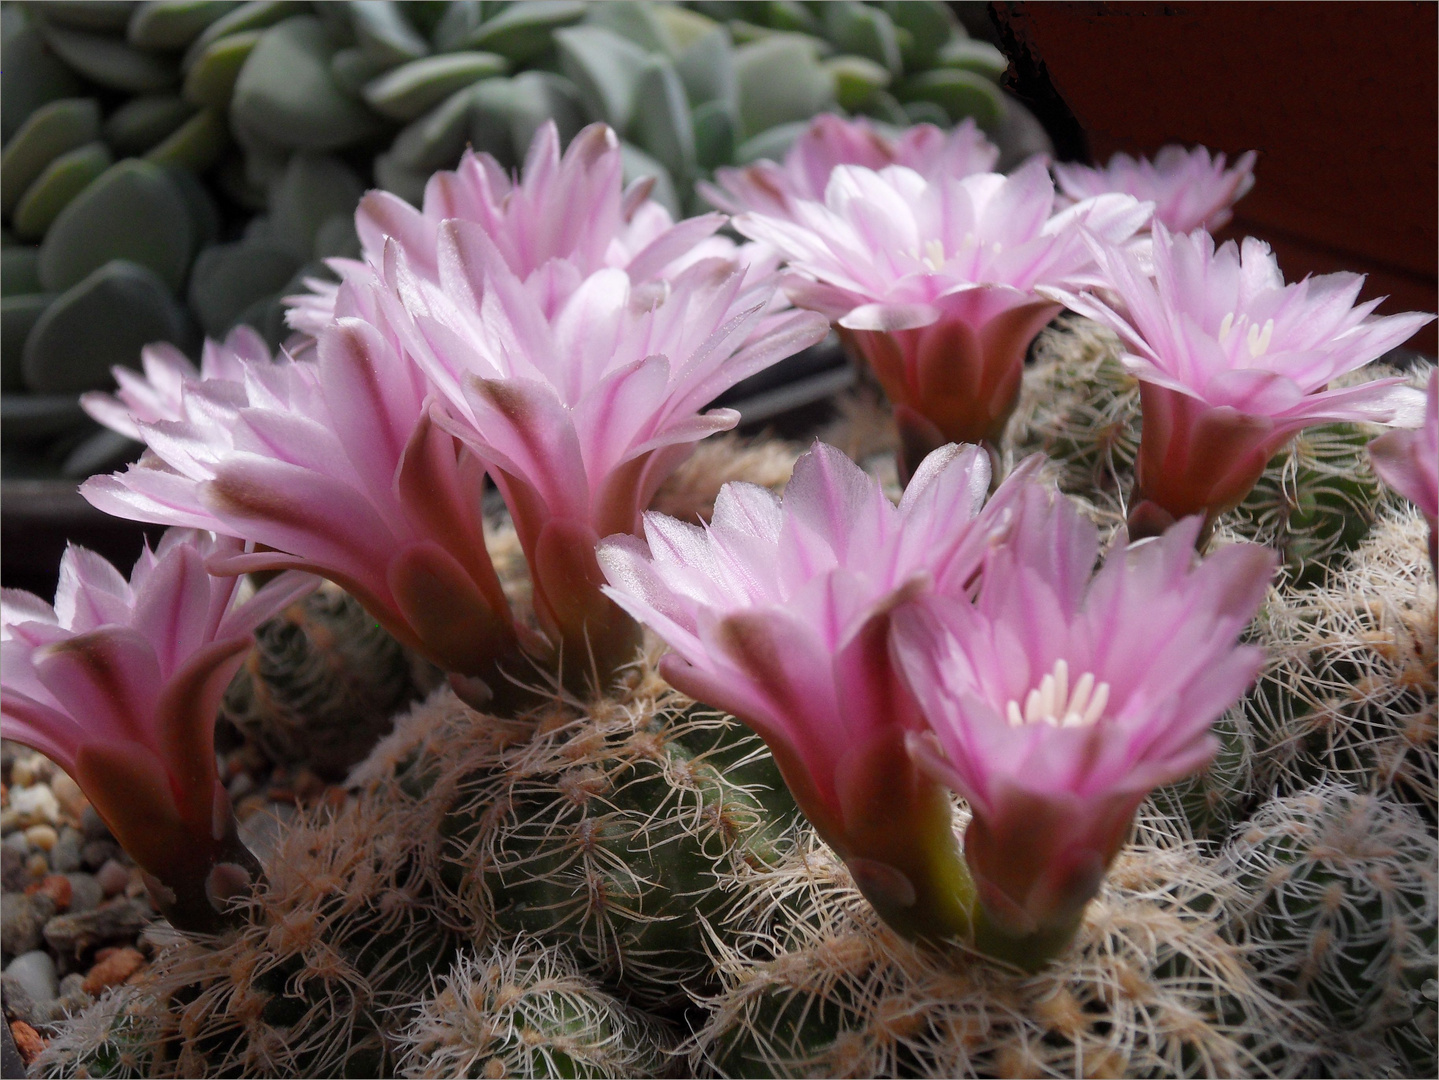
x,y
522,1009
323,684
1151,987
175,167
613,829
1350,692
342,936
1340,909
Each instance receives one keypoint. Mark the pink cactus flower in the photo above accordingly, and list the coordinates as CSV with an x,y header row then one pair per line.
x,y
778,612
155,395
1408,461
1057,700
120,682
334,467
831,141
580,399
571,211
933,280
1189,188
1234,362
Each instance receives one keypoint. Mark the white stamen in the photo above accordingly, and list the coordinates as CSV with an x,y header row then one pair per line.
x,y
1052,703
1258,339
934,254
1226,328
996,247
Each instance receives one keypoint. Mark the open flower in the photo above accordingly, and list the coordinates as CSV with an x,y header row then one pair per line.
x,y
1233,362
580,399
1189,189
155,395
120,682
933,279
333,466
569,210
1408,461
831,141
778,611
1056,701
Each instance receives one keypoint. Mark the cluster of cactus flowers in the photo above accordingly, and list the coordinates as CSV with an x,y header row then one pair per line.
x,y
929,853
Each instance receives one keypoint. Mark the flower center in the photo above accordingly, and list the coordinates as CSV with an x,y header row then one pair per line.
x,y
1257,339
934,255
1054,704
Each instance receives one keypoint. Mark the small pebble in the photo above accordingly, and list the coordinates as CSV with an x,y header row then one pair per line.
x,y
43,837
85,893
22,921
18,1003
118,966
13,876
72,984
35,805
93,825
16,842
117,920
27,1041
96,853
112,878
37,866
65,856
72,800
57,887
24,773
35,971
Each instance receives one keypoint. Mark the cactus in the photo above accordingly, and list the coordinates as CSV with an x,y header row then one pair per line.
x,y
1150,987
116,1037
1080,408
525,1010
323,684
613,829
1341,909
1350,690
611,832
1210,802
339,938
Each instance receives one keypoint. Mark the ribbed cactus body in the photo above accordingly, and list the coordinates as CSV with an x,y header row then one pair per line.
x,y
617,830
1210,801
115,1038
1150,988
612,835
341,938
521,1009
1350,690
323,684
1317,500
1080,408
1341,909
